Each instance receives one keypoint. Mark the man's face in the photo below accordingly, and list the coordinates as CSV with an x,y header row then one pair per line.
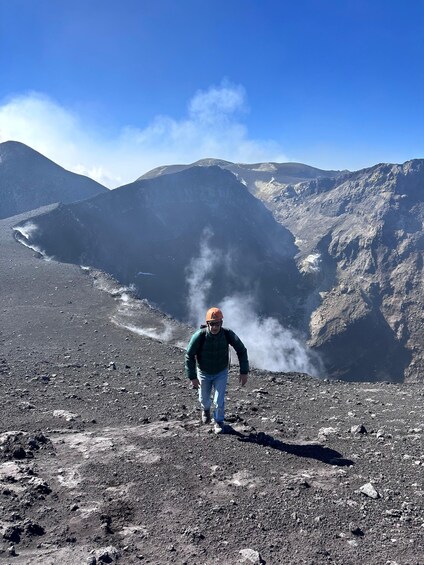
x,y
214,327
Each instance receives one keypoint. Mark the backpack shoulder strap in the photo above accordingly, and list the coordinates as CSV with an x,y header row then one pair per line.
x,y
228,338
202,338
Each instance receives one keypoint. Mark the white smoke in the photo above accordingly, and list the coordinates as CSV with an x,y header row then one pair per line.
x,y
270,346
199,278
24,234
27,230
153,333
311,263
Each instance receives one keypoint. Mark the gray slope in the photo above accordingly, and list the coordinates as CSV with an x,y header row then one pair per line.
x,y
29,180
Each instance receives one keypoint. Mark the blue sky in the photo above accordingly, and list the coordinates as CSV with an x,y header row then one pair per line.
x,y
114,88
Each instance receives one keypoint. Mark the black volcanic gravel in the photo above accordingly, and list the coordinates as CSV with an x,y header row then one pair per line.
x,y
103,458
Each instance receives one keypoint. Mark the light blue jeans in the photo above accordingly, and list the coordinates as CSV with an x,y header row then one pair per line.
x,y
219,384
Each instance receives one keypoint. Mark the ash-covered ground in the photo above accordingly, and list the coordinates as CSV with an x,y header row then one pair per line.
x,y
103,458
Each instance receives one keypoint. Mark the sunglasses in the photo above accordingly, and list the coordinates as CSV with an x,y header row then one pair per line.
x,y
214,324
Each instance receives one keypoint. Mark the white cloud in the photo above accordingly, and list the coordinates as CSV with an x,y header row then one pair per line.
x,y
217,104
213,127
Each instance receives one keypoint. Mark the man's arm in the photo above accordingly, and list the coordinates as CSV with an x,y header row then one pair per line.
x,y
190,359
241,351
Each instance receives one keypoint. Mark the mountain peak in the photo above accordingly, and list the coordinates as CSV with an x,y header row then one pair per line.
x,y
29,180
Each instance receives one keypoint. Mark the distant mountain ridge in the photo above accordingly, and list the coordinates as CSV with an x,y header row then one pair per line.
x,y
258,177
28,180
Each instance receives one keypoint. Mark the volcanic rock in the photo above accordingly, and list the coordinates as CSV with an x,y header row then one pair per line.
x,y
369,490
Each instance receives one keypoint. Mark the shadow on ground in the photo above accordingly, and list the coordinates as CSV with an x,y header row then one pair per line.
x,y
311,451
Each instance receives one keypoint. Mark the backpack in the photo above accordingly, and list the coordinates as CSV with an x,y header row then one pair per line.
x,y
203,327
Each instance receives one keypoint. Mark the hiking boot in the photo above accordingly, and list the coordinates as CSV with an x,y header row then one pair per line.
x,y
206,416
218,427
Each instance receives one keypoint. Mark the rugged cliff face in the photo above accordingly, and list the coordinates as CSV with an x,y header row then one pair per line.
x,y
28,180
197,231
361,241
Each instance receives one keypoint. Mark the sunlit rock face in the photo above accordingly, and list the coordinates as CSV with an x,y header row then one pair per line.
x,y
363,233
28,180
170,235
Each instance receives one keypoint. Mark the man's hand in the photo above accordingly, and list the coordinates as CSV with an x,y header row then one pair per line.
x,y
195,383
243,379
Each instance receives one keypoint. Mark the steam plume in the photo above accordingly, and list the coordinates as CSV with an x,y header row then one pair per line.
x,y
270,346
199,278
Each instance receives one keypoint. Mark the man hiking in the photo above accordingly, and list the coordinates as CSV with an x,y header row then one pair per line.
x,y
206,365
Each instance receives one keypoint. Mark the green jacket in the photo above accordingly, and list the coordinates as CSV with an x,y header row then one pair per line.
x,y
212,356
